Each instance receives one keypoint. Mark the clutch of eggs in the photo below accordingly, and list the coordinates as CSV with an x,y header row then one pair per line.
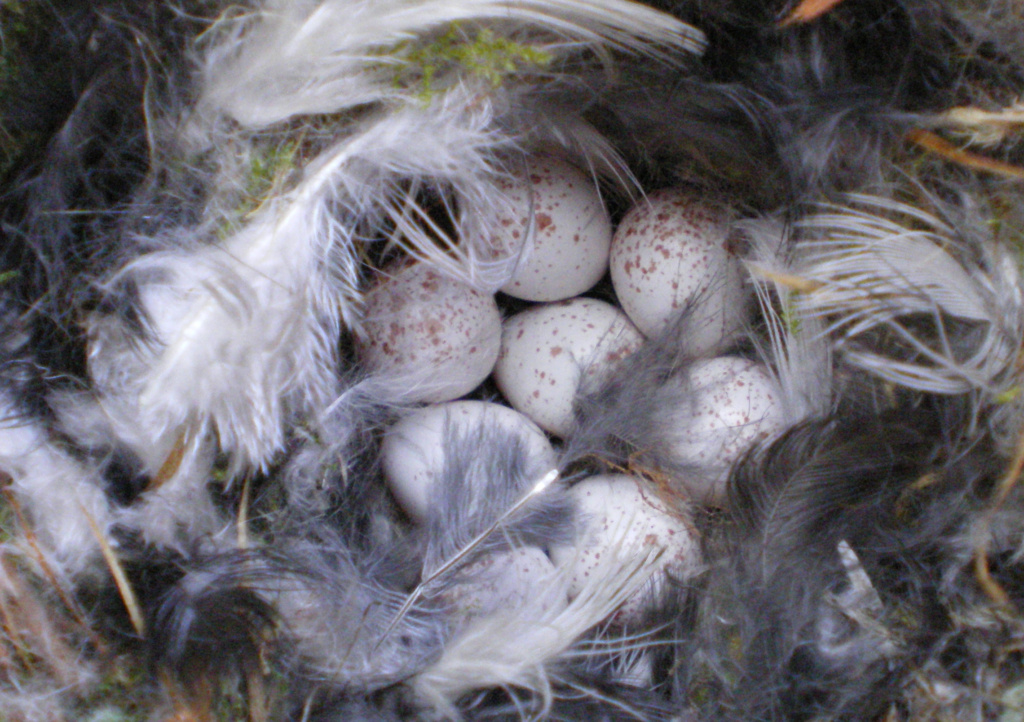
x,y
668,259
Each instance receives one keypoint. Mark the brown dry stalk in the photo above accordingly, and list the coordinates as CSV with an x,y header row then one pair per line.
x,y
798,284
807,11
243,514
256,693
171,464
982,572
942,147
39,557
124,587
9,622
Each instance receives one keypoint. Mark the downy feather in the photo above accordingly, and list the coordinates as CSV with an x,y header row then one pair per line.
x,y
56,491
490,486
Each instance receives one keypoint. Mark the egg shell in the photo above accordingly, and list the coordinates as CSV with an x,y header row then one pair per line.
x,y
413,449
736,404
515,580
670,253
550,353
559,222
623,521
437,337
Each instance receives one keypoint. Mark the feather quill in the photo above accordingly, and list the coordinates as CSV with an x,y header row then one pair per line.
x,y
484,501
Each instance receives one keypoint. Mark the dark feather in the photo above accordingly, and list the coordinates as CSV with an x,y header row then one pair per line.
x,y
792,629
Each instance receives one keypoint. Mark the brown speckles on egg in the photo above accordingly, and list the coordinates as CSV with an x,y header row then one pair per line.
x,y
623,523
736,403
667,255
548,351
558,212
438,334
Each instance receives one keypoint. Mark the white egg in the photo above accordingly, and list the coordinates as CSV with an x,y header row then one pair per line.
x,y
550,353
558,220
736,404
623,521
437,337
520,579
413,450
669,253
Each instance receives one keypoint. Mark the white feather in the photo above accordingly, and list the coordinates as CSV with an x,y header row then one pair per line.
x,y
244,331
878,264
520,647
300,57
56,491
243,337
799,352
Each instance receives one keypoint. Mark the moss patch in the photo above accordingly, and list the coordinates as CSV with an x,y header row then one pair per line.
x,y
479,52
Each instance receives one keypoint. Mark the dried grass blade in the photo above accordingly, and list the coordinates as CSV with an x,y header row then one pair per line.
x,y
807,11
942,147
124,587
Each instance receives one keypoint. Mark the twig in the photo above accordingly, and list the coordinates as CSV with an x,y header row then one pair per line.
x,y
171,464
40,558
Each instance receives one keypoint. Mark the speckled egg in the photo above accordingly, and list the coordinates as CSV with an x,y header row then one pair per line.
x,y
669,254
621,520
515,579
550,353
437,337
414,449
558,220
736,404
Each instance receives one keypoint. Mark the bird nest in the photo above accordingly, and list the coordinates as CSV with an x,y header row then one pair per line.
x,y
550,359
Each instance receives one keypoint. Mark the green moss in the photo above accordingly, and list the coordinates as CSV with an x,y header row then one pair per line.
x,y
268,168
124,694
791,319
8,523
481,53
1008,396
